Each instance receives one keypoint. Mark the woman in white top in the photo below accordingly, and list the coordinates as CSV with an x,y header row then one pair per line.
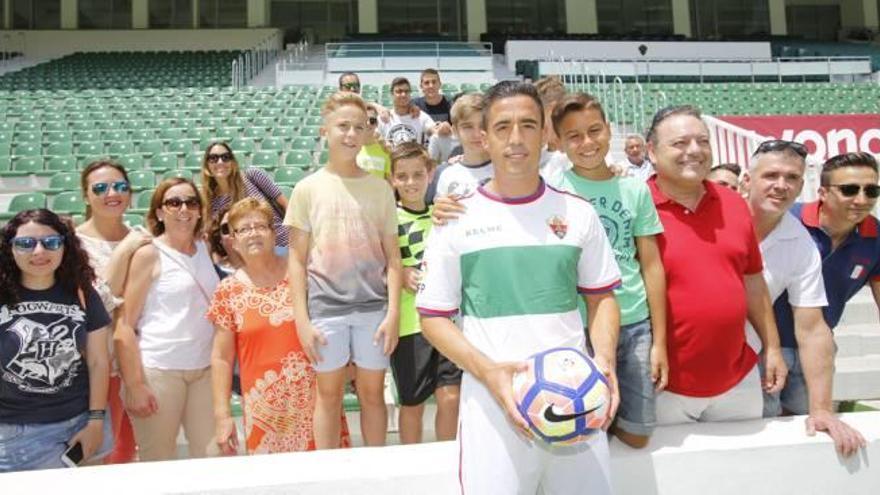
x,y
110,244
163,340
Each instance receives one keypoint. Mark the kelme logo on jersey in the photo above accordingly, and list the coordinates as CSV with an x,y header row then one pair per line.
x,y
558,225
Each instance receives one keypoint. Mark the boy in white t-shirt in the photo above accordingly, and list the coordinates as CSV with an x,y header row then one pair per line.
x,y
402,126
462,178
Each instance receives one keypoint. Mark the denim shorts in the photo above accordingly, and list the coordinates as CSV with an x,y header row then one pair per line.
x,y
350,338
25,447
793,397
636,413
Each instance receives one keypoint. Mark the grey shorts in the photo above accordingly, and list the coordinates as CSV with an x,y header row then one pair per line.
x,y
350,338
637,411
793,398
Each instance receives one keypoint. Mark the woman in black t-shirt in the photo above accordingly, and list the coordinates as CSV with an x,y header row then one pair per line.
x,y
54,364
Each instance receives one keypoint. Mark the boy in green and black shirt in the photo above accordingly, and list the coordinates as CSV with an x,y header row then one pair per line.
x,y
419,370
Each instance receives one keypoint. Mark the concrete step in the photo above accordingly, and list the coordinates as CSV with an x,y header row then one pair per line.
x,y
857,378
857,340
860,309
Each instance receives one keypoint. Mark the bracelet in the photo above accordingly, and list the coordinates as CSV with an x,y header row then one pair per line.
x,y
97,414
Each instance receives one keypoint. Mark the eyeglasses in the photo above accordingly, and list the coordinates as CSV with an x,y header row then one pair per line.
x,y
372,120
215,158
872,191
224,229
29,244
259,228
101,188
176,203
352,86
781,145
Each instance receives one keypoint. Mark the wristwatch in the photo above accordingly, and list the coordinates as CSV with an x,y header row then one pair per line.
x,y
97,414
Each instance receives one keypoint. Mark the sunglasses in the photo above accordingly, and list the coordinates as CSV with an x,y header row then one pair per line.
x,y
351,86
215,158
247,230
101,188
372,120
224,229
781,145
191,203
872,191
28,244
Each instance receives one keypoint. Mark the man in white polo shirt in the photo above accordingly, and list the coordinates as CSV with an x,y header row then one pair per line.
x,y
792,263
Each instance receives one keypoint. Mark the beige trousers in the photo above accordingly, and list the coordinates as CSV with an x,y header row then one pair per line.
x,y
185,399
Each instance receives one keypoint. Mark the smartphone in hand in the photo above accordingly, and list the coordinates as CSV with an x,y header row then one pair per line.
x,y
73,455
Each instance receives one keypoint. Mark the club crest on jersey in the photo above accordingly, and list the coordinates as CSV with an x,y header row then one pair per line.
x,y
558,225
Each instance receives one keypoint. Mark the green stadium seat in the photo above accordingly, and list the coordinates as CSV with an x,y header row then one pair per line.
x,y
151,148
131,162
186,174
7,127
163,161
22,202
58,136
64,181
114,135
180,147
170,134
286,132
133,219
193,161
314,121
303,144
28,137
27,149
141,135
255,132
142,202
298,158
68,202
86,135
310,131
120,148
289,175
23,127
272,144
243,145
90,148
26,165
5,163
5,136
142,179
265,159
59,149
61,163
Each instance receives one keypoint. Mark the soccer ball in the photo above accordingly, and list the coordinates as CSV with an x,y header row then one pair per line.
x,y
562,396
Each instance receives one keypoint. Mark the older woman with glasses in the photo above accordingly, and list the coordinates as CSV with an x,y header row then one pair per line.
x,y
253,318
54,364
110,244
163,339
224,183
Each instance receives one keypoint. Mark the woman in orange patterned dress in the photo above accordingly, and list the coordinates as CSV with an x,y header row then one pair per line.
x,y
253,320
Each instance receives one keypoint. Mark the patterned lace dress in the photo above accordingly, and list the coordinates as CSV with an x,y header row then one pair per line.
x,y
277,382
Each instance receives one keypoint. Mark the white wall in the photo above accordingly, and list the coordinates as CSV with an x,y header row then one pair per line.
x,y
50,44
748,457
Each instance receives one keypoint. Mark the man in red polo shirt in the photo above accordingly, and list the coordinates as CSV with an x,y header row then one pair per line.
x,y
714,283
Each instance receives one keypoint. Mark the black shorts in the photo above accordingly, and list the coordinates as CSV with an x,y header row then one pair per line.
x,y
419,369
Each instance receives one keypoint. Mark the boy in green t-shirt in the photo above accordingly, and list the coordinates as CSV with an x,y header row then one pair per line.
x,y
419,370
627,212
373,156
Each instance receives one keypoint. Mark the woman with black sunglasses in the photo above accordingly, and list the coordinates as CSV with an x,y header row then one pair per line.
x,y
110,243
225,183
54,363
163,340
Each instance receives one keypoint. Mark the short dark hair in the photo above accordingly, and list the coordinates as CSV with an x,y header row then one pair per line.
x,y
733,168
347,74
428,72
855,159
575,102
665,113
509,89
399,81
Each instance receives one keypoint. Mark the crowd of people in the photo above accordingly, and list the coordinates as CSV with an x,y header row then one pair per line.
x,y
447,241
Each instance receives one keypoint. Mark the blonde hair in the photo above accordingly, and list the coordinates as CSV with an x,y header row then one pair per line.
x,y
250,205
465,106
550,89
340,99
